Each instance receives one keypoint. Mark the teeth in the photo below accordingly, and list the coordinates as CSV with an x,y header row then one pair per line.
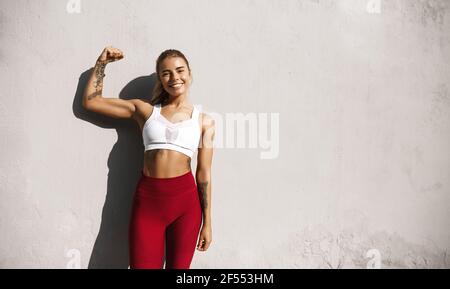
x,y
176,85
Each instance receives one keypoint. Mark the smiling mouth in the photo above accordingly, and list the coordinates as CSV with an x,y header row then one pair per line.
x,y
176,85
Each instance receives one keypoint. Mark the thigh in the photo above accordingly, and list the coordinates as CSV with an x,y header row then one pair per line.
x,y
182,235
146,235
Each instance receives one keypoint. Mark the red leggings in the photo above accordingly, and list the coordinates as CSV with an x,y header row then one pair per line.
x,y
164,207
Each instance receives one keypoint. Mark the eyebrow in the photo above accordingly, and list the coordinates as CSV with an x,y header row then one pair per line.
x,y
169,70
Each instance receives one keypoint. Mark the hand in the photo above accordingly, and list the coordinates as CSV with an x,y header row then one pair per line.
x,y
110,54
205,238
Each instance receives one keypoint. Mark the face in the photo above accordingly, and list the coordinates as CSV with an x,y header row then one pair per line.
x,y
175,76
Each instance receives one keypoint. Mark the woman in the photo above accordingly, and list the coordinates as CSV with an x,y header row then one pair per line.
x,y
168,203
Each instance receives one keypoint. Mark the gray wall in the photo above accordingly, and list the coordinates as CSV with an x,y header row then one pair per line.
x,y
347,103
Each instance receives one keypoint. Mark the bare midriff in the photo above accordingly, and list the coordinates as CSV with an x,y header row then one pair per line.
x,y
161,163
165,163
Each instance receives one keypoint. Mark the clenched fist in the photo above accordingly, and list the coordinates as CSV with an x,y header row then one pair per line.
x,y
110,54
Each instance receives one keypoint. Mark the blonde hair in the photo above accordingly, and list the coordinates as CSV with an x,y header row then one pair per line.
x,y
159,94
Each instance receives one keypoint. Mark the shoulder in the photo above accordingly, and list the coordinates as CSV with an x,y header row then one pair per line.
x,y
143,108
207,121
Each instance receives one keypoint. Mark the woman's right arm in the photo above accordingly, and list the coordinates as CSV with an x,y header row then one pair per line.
x,y
92,96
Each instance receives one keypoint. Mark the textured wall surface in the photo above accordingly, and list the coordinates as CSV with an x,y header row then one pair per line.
x,y
347,161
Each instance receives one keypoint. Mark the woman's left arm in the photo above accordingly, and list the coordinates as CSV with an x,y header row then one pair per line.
x,y
203,179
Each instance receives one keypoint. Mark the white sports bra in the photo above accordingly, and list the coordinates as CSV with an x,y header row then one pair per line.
x,y
160,133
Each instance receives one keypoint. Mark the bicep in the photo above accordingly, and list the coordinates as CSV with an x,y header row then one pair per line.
x,y
204,158
113,107
205,151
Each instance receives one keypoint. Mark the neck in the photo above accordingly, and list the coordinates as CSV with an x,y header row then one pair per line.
x,y
177,101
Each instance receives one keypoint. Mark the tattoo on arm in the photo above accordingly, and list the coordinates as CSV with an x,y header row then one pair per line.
x,y
99,74
93,95
202,186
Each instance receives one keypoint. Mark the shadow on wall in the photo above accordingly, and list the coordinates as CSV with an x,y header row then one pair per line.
x,y
125,164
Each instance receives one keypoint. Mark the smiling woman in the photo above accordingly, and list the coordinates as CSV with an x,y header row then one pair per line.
x,y
168,203
174,76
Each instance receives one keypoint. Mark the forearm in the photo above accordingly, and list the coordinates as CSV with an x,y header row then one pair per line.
x,y
94,85
204,191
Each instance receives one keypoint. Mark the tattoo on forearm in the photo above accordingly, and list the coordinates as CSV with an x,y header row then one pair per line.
x,y
202,189
93,95
99,74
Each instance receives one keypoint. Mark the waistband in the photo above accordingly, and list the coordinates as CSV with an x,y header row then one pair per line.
x,y
172,186
170,178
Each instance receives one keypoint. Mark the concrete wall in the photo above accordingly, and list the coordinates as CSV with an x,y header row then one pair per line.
x,y
347,104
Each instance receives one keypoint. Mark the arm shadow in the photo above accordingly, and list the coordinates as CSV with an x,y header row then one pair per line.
x,y
125,163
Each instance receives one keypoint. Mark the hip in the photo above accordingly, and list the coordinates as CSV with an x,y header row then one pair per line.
x,y
178,186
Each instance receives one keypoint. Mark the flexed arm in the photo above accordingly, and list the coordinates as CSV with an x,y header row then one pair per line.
x,y
92,97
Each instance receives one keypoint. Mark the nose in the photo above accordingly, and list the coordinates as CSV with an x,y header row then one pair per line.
x,y
174,76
